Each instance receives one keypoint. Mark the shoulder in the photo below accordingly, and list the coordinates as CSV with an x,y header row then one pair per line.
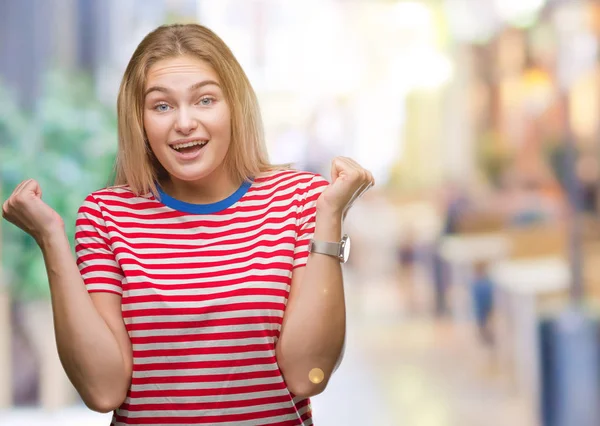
x,y
119,194
118,191
297,181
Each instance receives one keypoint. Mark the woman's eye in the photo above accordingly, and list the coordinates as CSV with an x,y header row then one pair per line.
x,y
162,107
206,101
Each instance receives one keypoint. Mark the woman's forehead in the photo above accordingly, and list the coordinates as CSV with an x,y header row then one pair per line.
x,y
180,71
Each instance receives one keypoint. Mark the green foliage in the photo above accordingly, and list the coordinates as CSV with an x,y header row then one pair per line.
x,y
68,144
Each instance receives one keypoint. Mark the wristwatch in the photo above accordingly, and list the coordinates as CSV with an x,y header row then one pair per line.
x,y
340,250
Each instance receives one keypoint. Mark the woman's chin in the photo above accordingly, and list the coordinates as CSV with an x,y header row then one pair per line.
x,y
189,175
193,172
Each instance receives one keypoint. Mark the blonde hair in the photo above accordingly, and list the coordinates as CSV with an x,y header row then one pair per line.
x,y
136,165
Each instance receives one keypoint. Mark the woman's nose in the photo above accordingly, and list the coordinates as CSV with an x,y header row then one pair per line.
x,y
186,122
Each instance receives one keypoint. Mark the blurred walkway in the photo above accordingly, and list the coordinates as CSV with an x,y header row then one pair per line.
x,y
429,373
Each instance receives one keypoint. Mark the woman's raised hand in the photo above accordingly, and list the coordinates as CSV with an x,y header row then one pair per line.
x,y
348,182
25,209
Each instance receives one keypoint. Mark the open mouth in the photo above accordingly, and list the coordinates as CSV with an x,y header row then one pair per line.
x,y
189,147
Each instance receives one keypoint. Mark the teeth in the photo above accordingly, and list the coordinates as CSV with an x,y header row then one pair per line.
x,y
189,144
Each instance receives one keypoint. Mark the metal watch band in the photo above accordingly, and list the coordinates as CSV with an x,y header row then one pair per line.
x,y
325,247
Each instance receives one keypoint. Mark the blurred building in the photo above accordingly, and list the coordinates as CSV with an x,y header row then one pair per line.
x,y
86,35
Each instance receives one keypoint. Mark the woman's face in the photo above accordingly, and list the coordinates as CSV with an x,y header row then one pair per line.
x,y
186,118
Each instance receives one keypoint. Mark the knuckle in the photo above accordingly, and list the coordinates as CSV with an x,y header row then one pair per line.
x,y
6,209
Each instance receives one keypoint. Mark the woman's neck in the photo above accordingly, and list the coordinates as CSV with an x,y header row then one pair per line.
x,y
211,189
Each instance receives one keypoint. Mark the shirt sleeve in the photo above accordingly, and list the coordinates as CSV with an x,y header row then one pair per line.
x,y
306,218
96,261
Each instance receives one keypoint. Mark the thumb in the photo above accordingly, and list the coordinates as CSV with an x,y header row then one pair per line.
x,y
29,189
336,169
33,188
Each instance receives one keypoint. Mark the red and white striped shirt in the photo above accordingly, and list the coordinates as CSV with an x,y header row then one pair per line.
x,y
204,289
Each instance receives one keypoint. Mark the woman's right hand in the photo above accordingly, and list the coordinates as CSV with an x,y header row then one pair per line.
x,y
25,209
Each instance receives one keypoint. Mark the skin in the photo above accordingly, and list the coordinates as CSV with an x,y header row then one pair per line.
x,y
92,341
314,324
184,101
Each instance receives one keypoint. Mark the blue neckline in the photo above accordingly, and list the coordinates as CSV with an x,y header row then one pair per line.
x,y
182,206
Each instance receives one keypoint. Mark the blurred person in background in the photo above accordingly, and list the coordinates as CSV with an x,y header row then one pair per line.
x,y
207,285
530,205
482,292
528,199
454,204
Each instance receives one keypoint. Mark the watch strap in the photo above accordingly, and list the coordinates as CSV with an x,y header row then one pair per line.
x,y
325,247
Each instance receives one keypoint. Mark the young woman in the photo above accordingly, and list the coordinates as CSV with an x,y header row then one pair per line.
x,y
207,286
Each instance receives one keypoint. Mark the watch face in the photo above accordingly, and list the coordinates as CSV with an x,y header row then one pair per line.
x,y
345,248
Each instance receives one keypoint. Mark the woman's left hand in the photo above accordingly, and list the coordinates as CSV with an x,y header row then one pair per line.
x,y
348,182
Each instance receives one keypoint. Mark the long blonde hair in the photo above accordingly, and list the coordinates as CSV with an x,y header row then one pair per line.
x,y
136,165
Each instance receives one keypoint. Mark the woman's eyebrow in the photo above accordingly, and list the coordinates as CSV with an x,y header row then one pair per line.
x,y
194,86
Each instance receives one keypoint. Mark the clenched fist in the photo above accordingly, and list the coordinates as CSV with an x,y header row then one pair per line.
x,y
25,209
348,182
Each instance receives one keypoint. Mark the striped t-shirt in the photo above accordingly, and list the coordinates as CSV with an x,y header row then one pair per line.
x,y
204,289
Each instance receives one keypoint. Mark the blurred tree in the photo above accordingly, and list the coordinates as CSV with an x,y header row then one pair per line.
x,y
67,143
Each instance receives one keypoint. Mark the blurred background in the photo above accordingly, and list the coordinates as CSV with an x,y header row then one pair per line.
x,y
473,284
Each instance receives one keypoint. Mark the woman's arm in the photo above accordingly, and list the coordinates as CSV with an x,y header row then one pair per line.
x,y
93,344
314,324
92,341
